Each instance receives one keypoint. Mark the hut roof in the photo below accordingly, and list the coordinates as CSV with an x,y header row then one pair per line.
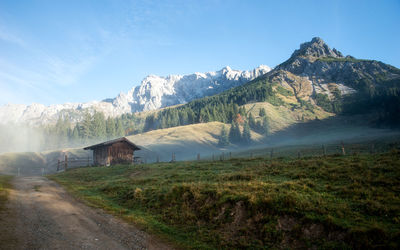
x,y
122,139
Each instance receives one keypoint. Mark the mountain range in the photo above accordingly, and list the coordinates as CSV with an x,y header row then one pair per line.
x,y
315,77
153,93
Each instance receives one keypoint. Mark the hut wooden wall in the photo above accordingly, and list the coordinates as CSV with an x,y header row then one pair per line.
x,y
100,156
120,152
117,153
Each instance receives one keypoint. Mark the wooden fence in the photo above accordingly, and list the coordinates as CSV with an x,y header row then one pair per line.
x,y
72,162
293,151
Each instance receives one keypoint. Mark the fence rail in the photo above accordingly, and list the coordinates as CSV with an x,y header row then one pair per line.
x,y
73,163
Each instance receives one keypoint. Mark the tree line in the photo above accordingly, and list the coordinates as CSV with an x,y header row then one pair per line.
x,y
238,136
92,128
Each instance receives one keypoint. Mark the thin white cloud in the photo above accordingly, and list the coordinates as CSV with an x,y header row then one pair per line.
x,y
65,71
40,70
7,36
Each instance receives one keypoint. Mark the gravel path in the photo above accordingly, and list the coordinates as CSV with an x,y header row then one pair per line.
x,y
41,215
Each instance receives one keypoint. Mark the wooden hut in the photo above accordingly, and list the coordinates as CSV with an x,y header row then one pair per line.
x,y
118,151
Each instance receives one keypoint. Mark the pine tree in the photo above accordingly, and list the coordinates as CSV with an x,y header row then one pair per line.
x,y
110,128
234,133
119,129
265,126
191,116
242,111
223,138
246,136
204,116
183,118
149,123
99,126
75,135
252,122
262,112
86,126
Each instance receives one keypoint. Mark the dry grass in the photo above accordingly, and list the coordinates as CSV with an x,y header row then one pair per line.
x,y
4,186
184,141
281,117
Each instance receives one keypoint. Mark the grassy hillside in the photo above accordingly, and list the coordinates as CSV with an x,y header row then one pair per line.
x,y
185,141
282,117
286,128
323,202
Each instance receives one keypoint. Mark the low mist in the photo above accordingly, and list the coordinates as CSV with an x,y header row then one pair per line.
x,y
17,138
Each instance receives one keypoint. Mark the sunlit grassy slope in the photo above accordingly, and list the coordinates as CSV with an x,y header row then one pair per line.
x,y
332,202
185,141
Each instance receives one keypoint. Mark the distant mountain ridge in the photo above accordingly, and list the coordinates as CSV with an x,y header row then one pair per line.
x,y
154,92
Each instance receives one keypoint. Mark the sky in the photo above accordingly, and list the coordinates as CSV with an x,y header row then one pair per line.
x,y
53,52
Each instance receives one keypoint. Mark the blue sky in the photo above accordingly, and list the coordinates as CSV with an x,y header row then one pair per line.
x,y
77,51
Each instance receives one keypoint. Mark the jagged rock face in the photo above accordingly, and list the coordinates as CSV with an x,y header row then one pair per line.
x,y
154,92
157,92
315,68
316,48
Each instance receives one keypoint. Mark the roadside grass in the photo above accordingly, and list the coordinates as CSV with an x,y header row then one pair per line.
x,y
4,186
325,202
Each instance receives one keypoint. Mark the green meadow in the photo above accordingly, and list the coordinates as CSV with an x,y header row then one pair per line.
x,y
329,201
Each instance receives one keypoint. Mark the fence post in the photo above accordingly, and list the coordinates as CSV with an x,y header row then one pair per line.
x,y
173,157
230,155
66,163
343,151
58,165
298,154
372,148
324,150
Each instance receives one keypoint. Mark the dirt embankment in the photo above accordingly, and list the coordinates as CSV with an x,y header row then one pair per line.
x,y
41,215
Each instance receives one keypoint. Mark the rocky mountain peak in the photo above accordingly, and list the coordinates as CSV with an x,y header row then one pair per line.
x,y
316,48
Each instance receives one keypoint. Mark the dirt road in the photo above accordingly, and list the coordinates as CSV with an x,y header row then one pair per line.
x,y
41,215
